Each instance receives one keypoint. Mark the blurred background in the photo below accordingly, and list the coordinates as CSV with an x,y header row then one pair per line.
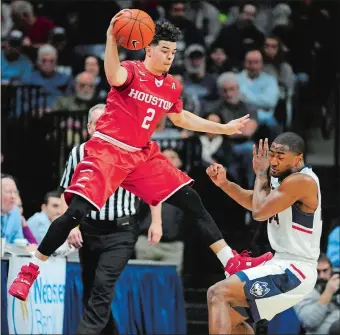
x,y
277,60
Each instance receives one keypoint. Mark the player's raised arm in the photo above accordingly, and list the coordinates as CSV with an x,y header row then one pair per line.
x,y
190,121
294,188
116,74
218,175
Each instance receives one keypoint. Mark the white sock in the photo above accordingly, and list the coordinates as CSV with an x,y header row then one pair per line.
x,y
37,261
224,255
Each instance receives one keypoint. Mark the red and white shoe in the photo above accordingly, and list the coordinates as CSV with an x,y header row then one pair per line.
x,y
243,261
23,282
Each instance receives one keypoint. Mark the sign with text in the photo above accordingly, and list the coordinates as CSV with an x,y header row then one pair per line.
x,y
43,311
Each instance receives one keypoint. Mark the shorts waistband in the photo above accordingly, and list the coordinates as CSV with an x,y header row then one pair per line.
x,y
115,142
290,257
107,226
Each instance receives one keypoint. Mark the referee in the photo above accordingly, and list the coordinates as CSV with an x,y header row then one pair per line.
x,y
106,240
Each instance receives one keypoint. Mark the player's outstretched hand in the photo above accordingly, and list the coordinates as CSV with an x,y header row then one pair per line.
x,y
114,19
155,233
218,174
236,126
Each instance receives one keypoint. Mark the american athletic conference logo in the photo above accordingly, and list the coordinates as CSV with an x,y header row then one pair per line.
x,y
22,316
259,289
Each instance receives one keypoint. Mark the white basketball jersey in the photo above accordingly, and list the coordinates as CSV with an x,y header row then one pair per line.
x,y
295,233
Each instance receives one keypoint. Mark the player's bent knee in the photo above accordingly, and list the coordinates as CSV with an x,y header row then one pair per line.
x,y
75,213
231,290
186,198
78,208
219,291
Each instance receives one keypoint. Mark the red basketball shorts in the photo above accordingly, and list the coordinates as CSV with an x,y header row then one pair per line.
x,y
146,173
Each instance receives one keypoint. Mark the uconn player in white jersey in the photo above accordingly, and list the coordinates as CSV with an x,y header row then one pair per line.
x,y
286,195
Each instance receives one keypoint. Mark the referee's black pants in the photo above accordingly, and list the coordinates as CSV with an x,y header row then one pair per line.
x,y
105,253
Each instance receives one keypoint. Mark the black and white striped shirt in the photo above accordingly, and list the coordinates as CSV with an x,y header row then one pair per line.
x,y
121,203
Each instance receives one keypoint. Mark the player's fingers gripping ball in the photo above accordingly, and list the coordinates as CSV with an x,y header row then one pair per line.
x,y
133,29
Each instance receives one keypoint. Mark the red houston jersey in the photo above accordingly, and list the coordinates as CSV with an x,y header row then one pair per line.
x,y
134,109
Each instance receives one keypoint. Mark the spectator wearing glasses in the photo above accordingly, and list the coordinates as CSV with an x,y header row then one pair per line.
x,y
84,86
11,228
321,308
53,84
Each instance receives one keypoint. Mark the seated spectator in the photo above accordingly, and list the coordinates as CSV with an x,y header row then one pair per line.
x,y
94,66
197,81
231,107
206,18
27,232
321,308
69,62
260,90
14,64
274,63
11,228
215,147
219,61
242,35
36,29
53,83
190,34
282,26
333,247
171,246
50,209
6,20
83,98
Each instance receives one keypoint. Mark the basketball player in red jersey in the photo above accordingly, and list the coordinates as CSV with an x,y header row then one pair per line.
x,y
120,153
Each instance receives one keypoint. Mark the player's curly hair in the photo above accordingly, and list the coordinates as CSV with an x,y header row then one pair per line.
x,y
166,31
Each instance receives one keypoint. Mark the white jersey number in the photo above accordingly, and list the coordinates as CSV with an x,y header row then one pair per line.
x,y
149,117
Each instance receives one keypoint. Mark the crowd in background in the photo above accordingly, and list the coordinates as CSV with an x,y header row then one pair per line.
x,y
274,60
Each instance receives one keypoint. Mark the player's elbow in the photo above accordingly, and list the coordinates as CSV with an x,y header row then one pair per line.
x,y
116,77
114,80
259,215
177,119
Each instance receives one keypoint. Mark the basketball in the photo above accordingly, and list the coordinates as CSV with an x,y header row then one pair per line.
x,y
134,29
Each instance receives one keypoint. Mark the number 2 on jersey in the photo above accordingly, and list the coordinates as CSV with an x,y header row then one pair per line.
x,y
149,117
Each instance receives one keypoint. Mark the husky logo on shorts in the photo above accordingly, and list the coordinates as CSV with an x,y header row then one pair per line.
x,y
259,289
